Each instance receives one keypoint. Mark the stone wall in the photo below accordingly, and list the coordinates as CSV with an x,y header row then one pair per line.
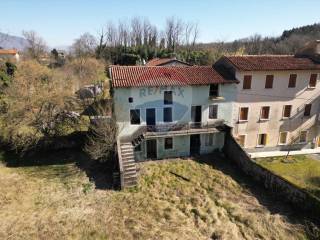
x,y
281,187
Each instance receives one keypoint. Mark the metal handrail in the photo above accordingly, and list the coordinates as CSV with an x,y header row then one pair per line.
x,y
120,164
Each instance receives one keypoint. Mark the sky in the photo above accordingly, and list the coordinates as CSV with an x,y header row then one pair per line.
x,y
59,22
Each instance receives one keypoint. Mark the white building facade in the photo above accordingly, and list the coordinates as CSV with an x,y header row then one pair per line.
x,y
277,101
175,114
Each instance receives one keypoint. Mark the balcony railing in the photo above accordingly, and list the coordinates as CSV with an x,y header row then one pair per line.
x,y
184,126
164,129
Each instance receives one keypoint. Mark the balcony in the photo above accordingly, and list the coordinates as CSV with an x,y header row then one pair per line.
x,y
179,129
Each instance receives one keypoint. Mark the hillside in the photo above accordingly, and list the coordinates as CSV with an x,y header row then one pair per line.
x,y
287,43
9,41
184,199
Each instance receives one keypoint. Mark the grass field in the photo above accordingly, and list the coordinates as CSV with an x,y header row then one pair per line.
x,y
302,170
173,200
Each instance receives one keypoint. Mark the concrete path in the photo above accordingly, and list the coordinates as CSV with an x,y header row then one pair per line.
x,y
282,153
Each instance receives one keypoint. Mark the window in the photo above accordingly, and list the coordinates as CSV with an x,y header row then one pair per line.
x,y
307,110
303,137
247,82
208,141
137,148
213,111
130,99
283,138
167,97
287,111
269,81
242,140
167,114
135,116
313,80
292,81
168,143
214,90
244,114
262,139
265,113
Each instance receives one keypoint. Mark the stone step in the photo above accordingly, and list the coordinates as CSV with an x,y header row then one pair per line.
x,y
130,183
126,150
129,167
127,158
126,154
130,172
130,177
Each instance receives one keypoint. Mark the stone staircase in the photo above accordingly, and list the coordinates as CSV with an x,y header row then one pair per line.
x,y
129,171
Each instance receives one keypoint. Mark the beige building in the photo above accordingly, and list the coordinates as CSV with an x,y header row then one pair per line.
x,y
9,54
277,101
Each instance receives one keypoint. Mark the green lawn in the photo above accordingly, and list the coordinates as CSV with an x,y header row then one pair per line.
x,y
302,170
178,199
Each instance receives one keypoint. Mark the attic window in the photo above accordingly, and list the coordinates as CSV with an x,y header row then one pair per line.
x,y
130,99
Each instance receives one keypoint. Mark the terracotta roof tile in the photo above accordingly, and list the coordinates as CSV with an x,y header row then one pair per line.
x,y
8,51
143,76
272,62
163,61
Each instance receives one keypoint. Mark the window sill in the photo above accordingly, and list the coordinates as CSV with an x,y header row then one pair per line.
x,y
311,88
264,119
216,98
260,146
242,121
282,144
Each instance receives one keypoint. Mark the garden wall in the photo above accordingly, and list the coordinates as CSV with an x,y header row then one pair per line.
x,y
278,185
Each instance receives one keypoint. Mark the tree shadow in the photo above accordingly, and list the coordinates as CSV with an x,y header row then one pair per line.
x,y
267,198
56,165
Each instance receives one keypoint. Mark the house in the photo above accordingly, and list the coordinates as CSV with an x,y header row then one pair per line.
x,y
277,101
10,54
169,111
167,62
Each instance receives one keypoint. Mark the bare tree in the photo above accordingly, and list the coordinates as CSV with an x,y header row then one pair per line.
x,y
36,44
173,31
84,46
136,31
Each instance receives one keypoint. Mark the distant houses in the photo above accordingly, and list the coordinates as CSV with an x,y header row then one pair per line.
x,y
10,54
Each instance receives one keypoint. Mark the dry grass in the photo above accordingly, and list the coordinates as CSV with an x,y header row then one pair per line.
x,y
302,170
59,202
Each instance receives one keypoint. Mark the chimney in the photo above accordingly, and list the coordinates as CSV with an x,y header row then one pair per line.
x,y
310,50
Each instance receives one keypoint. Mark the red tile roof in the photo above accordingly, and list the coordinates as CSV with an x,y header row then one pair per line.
x,y
272,62
144,76
8,51
163,61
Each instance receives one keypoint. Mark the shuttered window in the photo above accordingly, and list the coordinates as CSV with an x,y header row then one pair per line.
x,y
313,80
265,113
303,137
241,140
135,116
287,111
262,139
247,82
307,110
292,81
167,114
244,114
213,111
168,143
283,138
214,90
168,97
269,81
